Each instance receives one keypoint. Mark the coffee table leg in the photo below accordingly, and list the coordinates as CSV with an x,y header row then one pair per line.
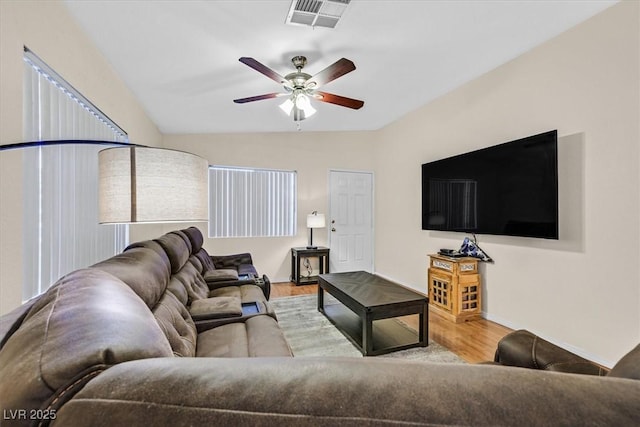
x,y
367,334
423,333
320,299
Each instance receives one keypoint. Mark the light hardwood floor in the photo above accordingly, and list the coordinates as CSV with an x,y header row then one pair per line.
x,y
473,341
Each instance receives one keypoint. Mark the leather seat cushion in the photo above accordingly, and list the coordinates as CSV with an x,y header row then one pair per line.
x,y
246,293
258,336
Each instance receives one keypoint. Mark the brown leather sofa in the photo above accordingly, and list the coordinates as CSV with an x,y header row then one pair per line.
x,y
224,271
115,345
525,350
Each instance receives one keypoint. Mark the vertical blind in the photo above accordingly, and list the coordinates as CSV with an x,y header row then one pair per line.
x,y
252,202
61,230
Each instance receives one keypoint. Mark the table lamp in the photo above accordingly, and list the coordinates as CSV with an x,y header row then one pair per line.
x,y
314,220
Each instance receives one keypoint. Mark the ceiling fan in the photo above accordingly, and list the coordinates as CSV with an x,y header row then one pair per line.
x,y
300,87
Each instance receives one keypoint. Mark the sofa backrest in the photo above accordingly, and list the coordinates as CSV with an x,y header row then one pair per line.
x,y
145,267
193,283
178,326
195,237
88,321
200,257
177,247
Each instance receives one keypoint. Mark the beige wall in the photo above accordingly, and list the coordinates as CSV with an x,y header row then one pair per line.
x,y
582,291
312,155
48,30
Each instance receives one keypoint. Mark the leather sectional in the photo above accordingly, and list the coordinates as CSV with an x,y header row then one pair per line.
x,y
117,344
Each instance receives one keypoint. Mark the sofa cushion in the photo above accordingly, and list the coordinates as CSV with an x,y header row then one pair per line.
x,y
222,274
232,261
258,336
178,249
87,322
176,323
628,366
228,340
193,283
205,260
195,237
214,308
177,288
246,293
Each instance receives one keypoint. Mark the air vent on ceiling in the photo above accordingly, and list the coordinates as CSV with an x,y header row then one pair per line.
x,y
316,13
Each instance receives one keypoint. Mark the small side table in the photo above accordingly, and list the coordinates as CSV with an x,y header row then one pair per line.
x,y
454,288
321,252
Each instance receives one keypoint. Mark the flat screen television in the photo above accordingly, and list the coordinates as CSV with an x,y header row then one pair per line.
x,y
508,189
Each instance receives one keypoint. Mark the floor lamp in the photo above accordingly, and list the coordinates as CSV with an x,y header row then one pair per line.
x,y
149,185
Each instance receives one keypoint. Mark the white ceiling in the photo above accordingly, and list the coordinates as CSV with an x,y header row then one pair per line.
x,y
180,58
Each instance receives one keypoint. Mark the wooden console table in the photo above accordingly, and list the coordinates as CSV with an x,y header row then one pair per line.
x,y
297,254
454,287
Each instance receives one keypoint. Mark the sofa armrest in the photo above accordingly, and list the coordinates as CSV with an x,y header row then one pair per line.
x,y
344,391
526,350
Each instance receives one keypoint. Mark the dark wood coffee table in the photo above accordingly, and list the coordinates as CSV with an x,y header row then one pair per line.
x,y
367,298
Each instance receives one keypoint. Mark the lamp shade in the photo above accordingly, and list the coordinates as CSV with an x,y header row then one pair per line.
x,y
144,184
315,221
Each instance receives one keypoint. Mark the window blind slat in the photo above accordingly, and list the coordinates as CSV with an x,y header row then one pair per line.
x,y
251,202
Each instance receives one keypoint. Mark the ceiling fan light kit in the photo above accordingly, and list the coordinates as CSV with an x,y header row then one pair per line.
x,y
300,87
298,104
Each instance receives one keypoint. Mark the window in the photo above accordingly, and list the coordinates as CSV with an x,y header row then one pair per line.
x,y
252,202
61,230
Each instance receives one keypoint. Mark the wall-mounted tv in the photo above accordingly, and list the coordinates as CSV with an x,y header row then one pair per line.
x,y
507,189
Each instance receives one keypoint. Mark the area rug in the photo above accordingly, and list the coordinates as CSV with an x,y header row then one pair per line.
x,y
311,334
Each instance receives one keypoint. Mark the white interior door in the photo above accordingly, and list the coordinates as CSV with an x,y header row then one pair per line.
x,y
351,221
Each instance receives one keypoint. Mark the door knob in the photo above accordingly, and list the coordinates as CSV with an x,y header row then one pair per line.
x,y
333,229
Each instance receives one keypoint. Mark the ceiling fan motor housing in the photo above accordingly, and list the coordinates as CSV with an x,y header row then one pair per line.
x,y
298,78
299,62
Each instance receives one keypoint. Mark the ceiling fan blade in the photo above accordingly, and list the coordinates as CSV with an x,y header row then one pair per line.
x,y
332,72
261,68
343,101
258,98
